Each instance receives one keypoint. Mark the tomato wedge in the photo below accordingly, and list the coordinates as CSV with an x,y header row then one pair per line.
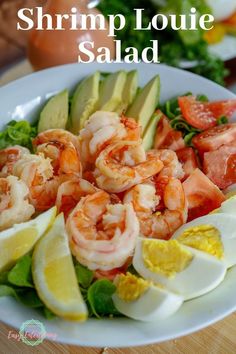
x,y
204,115
188,159
231,20
202,194
222,108
220,165
215,137
166,137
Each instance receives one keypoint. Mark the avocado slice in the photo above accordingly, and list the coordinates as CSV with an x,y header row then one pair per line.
x,y
150,131
84,102
129,91
55,113
111,91
145,103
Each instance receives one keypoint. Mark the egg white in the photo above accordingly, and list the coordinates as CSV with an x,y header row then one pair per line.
x,y
229,206
154,304
226,224
202,275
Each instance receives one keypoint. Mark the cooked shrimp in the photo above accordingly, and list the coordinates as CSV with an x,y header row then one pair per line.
x,y
146,199
124,164
37,172
102,235
62,148
133,129
70,192
8,157
172,166
102,129
14,204
111,274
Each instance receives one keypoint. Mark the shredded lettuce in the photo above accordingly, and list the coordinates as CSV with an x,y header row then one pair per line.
x,y
172,110
18,133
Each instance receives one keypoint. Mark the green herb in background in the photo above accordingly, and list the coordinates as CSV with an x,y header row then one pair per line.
x,y
18,133
128,36
174,46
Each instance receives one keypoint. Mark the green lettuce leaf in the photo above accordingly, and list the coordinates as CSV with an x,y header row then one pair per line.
x,y
18,133
100,298
84,275
20,274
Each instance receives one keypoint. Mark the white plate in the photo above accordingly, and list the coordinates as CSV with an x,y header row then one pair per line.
x,y
23,99
225,50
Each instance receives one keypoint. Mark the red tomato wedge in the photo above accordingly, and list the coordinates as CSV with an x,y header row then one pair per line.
x,y
215,137
188,159
220,165
202,194
231,20
204,115
166,137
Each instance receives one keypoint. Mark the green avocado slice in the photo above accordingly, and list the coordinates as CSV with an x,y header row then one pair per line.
x,y
111,91
129,91
55,113
84,102
150,131
145,103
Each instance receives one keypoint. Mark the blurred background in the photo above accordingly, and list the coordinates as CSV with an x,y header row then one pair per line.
x,y
211,54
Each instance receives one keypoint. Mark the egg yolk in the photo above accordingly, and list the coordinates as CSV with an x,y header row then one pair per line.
x,y
165,257
205,238
129,287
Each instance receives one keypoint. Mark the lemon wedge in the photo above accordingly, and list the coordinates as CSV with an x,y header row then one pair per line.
x,y
54,274
21,238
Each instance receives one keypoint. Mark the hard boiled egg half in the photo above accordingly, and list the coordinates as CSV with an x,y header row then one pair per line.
x,y
229,206
214,234
142,300
180,269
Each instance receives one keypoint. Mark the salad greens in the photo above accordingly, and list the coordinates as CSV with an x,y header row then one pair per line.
x,y
20,274
99,298
222,120
84,275
97,294
172,110
18,133
174,45
18,283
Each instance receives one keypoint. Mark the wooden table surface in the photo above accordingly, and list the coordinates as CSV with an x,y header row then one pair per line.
x,y
217,339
